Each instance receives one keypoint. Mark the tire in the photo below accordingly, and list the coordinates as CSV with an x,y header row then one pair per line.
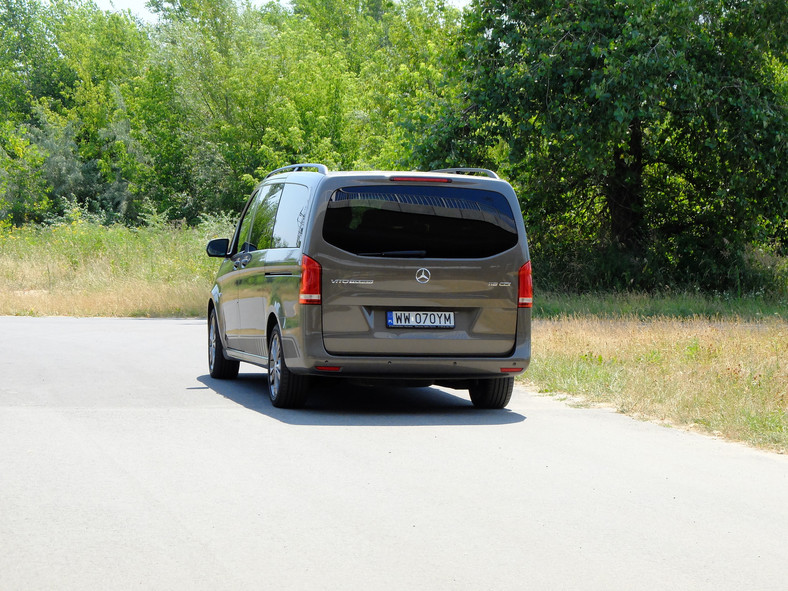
x,y
286,389
492,393
220,367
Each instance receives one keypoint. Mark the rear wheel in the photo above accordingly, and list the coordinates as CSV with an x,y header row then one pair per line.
x,y
493,393
220,368
287,390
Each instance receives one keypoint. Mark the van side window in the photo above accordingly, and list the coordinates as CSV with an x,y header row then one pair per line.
x,y
268,199
291,217
241,240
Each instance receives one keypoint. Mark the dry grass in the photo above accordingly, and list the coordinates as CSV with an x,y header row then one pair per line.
x,y
85,269
728,378
125,298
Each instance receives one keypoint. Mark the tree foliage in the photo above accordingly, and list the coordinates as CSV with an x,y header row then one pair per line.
x,y
188,113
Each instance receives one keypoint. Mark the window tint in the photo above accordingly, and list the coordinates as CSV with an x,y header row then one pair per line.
x,y
435,222
290,217
268,199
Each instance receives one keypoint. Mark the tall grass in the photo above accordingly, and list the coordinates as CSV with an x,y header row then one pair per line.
x,y
686,305
86,269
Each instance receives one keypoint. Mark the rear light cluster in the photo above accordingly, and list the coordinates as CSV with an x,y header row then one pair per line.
x,y
525,290
311,272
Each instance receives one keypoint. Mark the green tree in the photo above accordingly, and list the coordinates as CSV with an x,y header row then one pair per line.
x,y
31,67
265,89
160,129
409,78
23,188
655,128
89,117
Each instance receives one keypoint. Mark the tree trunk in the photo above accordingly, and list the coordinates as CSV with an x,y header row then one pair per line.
x,y
625,191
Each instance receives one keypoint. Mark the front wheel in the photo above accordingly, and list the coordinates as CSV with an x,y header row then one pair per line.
x,y
492,393
286,389
220,367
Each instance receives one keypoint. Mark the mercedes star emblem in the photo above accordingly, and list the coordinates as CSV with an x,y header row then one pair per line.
x,y
423,275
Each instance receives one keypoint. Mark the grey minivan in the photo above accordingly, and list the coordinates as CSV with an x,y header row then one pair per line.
x,y
409,277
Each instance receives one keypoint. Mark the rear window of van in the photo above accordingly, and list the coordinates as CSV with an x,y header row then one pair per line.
x,y
419,221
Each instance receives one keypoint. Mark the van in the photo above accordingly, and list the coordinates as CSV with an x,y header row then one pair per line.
x,y
407,277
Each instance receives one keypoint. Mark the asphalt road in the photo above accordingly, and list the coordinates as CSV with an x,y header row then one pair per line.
x,y
124,466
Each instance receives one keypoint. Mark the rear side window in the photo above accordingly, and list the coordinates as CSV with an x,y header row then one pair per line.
x,y
268,199
242,235
291,217
416,221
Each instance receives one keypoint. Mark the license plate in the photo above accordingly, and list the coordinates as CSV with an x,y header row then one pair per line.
x,y
398,319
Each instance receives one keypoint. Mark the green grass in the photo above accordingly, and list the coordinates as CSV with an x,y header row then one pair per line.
x,y
670,305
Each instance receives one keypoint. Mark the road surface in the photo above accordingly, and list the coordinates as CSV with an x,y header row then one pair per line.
x,y
123,465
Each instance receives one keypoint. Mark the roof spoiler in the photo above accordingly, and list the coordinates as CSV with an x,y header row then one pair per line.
x,y
321,168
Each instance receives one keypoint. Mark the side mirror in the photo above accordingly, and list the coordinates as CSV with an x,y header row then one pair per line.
x,y
218,247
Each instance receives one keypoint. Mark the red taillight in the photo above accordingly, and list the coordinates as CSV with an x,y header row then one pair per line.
x,y
310,282
525,291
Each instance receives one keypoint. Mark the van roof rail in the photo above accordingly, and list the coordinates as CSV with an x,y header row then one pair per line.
x,y
485,171
321,168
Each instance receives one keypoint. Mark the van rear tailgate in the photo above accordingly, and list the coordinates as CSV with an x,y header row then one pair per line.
x,y
419,307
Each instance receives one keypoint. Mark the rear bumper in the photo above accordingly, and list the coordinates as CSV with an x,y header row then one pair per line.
x,y
433,368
